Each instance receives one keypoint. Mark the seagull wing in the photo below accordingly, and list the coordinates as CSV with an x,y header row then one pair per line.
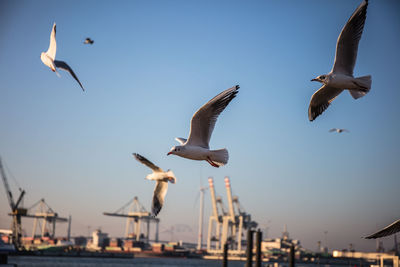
x,y
160,191
147,162
332,130
181,140
64,66
321,99
203,121
51,52
388,230
347,43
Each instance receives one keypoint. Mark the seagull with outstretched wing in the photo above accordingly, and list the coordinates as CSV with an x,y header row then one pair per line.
x,y
388,230
88,41
196,147
49,58
162,178
341,76
338,130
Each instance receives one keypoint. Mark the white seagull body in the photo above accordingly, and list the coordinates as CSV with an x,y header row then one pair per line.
x,y
49,58
161,178
388,230
341,76
196,147
338,130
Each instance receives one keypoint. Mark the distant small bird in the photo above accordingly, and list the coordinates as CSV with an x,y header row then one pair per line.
x,y
88,41
196,147
341,76
388,230
161,178
338,130
48,58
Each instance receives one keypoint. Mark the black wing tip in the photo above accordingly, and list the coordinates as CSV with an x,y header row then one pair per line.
x,y
156,207
315,111
137,156
312,115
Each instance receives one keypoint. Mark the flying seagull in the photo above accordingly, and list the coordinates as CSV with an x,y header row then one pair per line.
x,y
341,76
338,130
388,230
88,41
48,58
196,147
161,178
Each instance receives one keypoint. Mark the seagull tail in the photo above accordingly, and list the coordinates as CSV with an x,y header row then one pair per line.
x,y
220,157
364,85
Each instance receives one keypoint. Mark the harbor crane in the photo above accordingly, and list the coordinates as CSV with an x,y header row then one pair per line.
x,y
215,220
16,211
235,222
229,225
135,216
45,217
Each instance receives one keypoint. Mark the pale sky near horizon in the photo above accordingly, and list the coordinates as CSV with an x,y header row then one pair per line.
x,y
153,64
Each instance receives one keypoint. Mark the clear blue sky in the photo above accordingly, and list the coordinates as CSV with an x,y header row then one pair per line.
x,y
153,64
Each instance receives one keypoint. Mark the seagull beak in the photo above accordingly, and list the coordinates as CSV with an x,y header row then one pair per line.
x,y
314,80
169,153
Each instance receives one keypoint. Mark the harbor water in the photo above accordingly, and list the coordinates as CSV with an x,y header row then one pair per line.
x,y
35,261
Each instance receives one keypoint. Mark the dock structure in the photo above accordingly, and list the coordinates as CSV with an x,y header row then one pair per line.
x,y
214,222
136,215
227,227
17,211
44,217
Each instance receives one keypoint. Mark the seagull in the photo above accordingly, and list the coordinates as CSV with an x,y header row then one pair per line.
x,y
338,130
48,58
88,41
341,76
388,230
162,178
196,147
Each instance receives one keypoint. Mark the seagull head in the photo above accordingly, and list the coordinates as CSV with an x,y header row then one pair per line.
x,y
321,79
176,150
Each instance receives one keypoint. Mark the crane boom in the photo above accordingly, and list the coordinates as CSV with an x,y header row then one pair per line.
x,y
7,187
16,212
213,198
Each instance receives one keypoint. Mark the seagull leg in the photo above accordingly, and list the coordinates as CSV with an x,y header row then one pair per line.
x,y
212,163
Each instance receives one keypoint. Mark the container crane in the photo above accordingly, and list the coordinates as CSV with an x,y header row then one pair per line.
x,y
46,217
135,216
232,225
215,220
235,221
16,211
